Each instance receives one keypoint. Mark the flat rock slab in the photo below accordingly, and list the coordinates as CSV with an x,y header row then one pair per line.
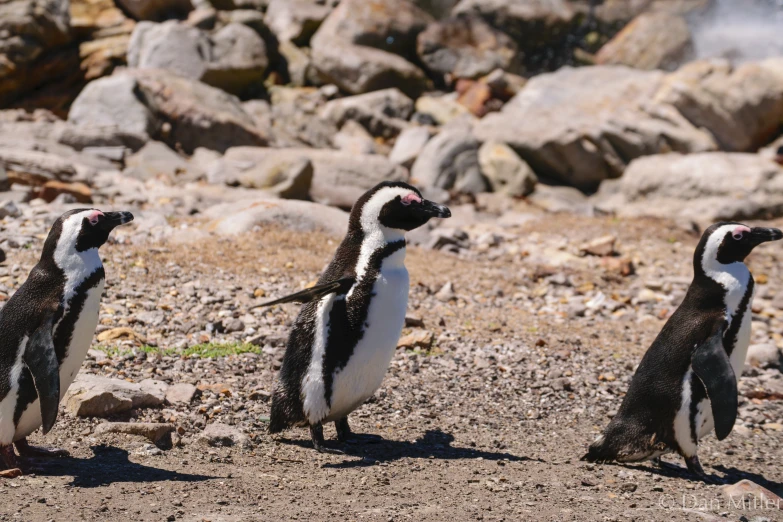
x,y
94,396
155,432
222,435
181,393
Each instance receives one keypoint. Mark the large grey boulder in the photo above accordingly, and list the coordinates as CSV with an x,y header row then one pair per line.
x,y
704,187
197,115
654,40
382,113
295,21
95,396
338,178
449,161
366,46
300,216
581,126
33,51
232,59
465,47
741,107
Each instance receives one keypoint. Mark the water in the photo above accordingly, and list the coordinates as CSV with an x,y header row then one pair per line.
x,y
739,30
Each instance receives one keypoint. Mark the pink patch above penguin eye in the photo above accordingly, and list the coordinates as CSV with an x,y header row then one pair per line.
x,y
739,231
94,215
410,198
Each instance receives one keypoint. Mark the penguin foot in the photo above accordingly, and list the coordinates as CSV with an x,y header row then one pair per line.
x,y
694,466
26,450
665,465
343,429
9,459
317,434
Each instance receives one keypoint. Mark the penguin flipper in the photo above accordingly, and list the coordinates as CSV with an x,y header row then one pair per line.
x,y
341,286
711,364
40,358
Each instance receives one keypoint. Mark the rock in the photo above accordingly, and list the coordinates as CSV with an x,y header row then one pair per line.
x,y
450,161
477,97
114,102
446,293
32,167
741,107
155,388
654,40
464,47
181,393
287,177
354,139
581,126
3,256
713,186
237,218
34,51
5,184
757,495
80,192
122,332
222,435
382,113
199,115
409,145
295,21
561,199
505,171
155,432
366,46
763,356
601,246
233,59
9,209
421,339
339,179
442,109
298,64
94,396
155,160
156,9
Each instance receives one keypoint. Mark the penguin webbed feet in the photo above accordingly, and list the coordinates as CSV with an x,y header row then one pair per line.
x,y
317,434
694,467
26,450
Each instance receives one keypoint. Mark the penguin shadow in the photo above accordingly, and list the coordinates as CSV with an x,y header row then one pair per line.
x,y
731,475
108,465
433,444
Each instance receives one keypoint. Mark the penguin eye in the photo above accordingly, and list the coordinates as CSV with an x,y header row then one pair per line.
x,y
738,236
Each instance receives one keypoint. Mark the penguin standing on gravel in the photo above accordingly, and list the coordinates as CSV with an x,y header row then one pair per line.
x,y
47,326
686,384
345,335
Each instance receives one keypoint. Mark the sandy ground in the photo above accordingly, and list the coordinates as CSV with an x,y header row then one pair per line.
x,y
488,425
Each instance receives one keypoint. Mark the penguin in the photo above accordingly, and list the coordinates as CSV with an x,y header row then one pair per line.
x,y
47,326
345,335
686,384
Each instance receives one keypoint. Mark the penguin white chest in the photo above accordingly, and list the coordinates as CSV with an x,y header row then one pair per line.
x,y
81,338
358,380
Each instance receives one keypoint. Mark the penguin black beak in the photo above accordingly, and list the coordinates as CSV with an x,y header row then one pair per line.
x,y
760,235
112,220
432,209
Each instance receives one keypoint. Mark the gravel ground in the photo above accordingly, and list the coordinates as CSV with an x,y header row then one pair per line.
x,y
532,347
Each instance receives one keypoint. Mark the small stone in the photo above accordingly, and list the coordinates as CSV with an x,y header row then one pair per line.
x,y
220,435
763,356
9,209
181,393
628,487
745,488
79,191
155,432
446,293
235,325
418,339
602,246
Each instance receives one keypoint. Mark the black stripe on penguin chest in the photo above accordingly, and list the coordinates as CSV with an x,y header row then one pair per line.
x,y
348,319
698,393
66,322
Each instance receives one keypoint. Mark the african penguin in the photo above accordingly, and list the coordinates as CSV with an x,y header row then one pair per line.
x,y
686,383
345,335
47,327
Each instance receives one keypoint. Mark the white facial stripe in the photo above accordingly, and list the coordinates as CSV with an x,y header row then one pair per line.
x,y
376,235
77,266
733,277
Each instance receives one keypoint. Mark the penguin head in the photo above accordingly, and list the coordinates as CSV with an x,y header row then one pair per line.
x,y
726,243
84,229
393,206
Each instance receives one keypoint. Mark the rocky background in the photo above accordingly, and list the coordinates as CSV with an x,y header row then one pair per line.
x,y
581,144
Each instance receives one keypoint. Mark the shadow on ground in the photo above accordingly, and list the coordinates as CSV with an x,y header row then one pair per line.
x,y
434,444
107,466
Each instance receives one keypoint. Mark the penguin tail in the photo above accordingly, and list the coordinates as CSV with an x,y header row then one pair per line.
x,y
285,413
